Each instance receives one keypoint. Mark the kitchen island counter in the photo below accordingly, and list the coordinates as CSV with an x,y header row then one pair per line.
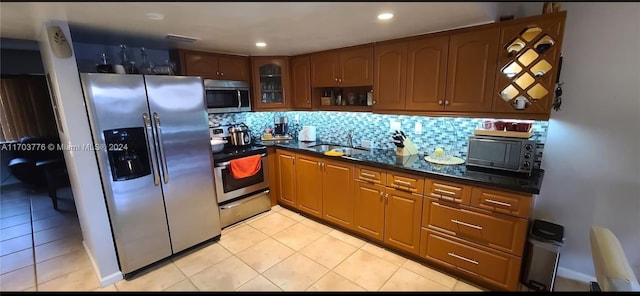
x,y
416,164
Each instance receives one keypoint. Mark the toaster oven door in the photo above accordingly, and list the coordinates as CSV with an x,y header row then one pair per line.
x,y
498,154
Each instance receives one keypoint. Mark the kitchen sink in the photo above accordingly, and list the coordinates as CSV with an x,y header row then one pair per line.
x,y
343,149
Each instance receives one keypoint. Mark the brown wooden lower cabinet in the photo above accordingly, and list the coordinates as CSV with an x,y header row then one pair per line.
x,y
494,267
368,214
309,185
337,193
501,232
473,231
286,178
272,162
502,202
403,211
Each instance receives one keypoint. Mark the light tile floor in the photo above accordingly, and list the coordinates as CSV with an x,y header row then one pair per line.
x,y
279,250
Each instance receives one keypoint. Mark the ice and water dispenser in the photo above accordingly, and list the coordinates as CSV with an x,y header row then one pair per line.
x,y
127,152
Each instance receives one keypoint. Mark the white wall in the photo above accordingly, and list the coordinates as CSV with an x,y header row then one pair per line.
x,y
82,165
592,159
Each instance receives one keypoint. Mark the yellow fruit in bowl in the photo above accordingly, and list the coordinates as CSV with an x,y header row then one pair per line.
x,y
439,152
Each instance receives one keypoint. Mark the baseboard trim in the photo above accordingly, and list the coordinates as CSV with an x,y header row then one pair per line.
x,y
574,275
106,280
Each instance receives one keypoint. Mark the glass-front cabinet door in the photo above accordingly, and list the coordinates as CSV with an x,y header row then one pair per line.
x,y
271,82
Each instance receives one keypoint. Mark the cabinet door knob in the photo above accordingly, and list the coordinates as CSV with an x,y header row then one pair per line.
x,y
339,79
221,73
217,72
446,102
439,102
374,102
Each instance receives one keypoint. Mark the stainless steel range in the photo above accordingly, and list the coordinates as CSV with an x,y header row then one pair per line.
x,y
242,198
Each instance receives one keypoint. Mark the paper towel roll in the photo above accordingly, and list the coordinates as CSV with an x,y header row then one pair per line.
x,y
307,134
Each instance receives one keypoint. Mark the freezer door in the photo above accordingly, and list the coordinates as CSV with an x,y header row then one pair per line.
x,y
181,125
116,105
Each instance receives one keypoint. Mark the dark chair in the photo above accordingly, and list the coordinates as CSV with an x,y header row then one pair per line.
x,y
40,167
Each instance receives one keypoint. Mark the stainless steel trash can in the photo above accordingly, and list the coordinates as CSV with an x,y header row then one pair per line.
x,y
541,255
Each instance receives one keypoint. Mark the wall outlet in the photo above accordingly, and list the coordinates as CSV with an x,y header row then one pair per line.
x,y
395,125
367,144
418,128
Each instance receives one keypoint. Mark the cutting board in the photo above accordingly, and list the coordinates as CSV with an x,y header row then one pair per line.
x,y
509,134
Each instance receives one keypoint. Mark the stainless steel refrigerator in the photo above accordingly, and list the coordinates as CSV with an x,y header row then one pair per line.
x,y
151,135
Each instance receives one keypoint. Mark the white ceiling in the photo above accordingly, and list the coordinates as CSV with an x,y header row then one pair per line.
x,y
288,28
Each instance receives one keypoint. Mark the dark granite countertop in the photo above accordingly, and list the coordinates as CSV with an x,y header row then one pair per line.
x,y
416,164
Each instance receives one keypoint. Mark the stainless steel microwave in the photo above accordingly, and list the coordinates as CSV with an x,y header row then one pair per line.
x,y
223,96
510,154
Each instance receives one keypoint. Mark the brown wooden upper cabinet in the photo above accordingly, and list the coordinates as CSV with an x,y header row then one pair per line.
x,y
214,66
342,68
411,75
471,70
390,76
528,64
441,73
270,82
301,82
427,73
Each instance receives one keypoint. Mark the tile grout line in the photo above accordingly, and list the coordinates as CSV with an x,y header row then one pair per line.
x,y
33,243
385,282
179,269
332,269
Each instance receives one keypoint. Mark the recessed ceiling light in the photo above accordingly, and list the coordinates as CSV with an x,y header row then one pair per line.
x,y
385,16
261,44
155,16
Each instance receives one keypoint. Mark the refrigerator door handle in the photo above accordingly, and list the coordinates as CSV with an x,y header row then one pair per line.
x,y
147,125
163,160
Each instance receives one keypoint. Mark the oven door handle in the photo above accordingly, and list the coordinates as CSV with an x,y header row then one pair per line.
x,y
227,163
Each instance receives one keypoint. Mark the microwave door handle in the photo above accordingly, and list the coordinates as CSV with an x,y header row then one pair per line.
x,y
239,101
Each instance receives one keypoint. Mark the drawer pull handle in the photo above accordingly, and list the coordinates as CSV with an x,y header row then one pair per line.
x,y
367,175
444,191
466,224
447,198
447,186
463,258
405,183
504,204
435,195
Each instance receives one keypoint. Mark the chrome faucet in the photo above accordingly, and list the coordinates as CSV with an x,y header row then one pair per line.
x,y
350,139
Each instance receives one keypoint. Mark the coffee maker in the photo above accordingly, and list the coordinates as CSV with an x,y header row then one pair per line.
x,y
281,127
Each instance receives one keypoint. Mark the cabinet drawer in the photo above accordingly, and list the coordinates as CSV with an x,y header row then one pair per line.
x,y
448,191
502,232
405,182
373,175
502,202
497,268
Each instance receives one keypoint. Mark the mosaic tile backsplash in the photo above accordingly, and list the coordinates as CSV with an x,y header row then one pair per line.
x,y
332,127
